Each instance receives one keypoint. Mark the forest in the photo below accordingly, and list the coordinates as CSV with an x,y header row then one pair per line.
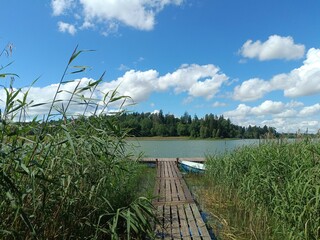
x,y
210,126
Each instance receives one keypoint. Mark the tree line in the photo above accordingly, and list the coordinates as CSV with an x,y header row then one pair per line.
x,y
210,126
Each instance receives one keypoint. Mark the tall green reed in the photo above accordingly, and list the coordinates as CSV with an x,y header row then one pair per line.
x,y
280,179
66,176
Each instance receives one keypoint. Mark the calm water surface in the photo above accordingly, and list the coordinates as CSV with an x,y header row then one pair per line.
x,y
187,148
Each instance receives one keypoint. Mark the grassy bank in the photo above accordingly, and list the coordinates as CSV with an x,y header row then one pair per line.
x,y
266,192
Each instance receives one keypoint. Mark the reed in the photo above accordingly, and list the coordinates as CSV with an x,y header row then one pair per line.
x,y
69,176
276,186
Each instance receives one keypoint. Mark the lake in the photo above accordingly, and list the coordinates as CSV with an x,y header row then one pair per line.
x,y
187,148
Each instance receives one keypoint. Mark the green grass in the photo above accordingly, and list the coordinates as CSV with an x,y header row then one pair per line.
x,y
266,192
69,176
147,181
225,216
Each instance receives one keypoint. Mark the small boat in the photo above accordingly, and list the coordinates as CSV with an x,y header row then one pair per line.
x,y
193,167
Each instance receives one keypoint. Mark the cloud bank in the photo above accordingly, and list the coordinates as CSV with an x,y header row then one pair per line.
x,y
302,81
195,80
203,81
285,117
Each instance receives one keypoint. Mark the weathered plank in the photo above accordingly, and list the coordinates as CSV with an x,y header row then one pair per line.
x,y
167,223
191,221
177,212
175,222
185,190
200,223
159,226
154,160
168,190
174,191
183,223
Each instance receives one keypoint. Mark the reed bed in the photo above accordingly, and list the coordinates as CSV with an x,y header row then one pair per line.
x,y
69,176
274,187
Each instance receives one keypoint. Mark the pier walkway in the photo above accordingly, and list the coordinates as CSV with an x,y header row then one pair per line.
x,y
177,212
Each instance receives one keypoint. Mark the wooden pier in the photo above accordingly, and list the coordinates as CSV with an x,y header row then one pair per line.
x,y
154,160
177,212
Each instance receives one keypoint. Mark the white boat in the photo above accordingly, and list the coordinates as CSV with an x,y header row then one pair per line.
x,y
194,167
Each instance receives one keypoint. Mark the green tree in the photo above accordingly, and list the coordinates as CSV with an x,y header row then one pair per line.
x,y
146,126
183,129
195,127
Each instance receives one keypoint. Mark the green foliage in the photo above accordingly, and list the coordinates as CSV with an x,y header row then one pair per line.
x,y
211,126
281,179
70,178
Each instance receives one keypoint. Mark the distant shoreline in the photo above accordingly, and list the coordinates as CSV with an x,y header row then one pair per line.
x,y
159,138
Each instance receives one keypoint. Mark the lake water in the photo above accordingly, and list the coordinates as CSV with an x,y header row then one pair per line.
x,y
187,148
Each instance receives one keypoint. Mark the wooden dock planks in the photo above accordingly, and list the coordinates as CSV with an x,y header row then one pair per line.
x,y
179,217
154,160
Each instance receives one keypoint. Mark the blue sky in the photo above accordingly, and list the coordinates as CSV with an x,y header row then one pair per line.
x,y
256,62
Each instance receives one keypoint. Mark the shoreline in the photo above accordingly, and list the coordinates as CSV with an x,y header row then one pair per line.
x,y
159,138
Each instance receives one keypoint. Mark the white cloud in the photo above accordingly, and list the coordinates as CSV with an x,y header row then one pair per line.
x,y
207,88
45,95
305,80
288,113
240,112
139,14
131,13
109,28
251,89
276,47
219,104
156,112
285,117
123,67
294,126
66,27
136,84
268,107
294,104
198,80
187,100
310,111
60,6
86,24
280,124
302,81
